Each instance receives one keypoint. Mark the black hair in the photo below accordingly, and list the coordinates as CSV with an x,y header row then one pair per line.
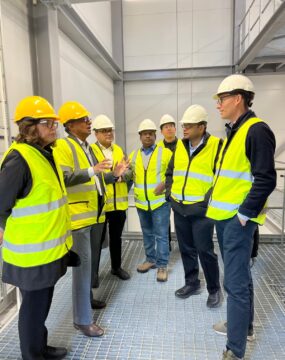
x,y
247,96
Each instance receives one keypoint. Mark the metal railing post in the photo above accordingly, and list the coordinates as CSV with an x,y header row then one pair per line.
x,y
283,212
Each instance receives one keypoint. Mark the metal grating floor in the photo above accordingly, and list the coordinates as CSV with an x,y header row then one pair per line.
x,y
144,321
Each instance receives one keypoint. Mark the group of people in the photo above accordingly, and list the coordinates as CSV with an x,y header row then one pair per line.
x,y
60,197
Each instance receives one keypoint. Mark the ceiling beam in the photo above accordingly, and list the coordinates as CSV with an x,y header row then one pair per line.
x,y
74,27
178,74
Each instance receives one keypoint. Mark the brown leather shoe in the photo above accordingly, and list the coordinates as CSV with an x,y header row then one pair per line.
x,y
145,267
91,330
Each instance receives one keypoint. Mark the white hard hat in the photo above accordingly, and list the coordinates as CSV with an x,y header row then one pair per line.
x,y
146,124
194,114
102,122
166,119
235,82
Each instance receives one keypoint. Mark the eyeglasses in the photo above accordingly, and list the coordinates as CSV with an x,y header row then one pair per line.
x,y
85,120
105,131
51,124
188,126
222,98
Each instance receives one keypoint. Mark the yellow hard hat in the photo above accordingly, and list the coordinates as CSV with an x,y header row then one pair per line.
x,y
34,107
72,110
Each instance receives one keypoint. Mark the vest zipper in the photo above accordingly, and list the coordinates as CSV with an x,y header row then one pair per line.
x,y
145,184
186,177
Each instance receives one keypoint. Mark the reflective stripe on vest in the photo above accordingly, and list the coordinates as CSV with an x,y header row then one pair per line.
x,y
117,193
29,248
146,180
37,209
37,231
82,198
236,175
193,177
118,199
233,179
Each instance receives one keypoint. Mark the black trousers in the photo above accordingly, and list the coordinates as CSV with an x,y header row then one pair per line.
x,y
116,221
195,238
32,316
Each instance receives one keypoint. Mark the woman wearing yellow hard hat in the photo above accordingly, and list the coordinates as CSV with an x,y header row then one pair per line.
x,y
34,223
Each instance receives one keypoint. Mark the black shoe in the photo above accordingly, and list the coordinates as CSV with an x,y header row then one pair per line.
x,y
54,353
215,300
187,291
95,282
97,304
121,273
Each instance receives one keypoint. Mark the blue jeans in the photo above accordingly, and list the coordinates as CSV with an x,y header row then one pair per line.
x,y
154,224
81,275
236,243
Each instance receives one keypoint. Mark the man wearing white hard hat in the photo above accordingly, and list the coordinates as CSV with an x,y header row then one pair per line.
x,y
149,164
168,131
116,193
189,179
244,179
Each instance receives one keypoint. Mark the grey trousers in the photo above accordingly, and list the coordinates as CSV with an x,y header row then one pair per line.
x,y
85,242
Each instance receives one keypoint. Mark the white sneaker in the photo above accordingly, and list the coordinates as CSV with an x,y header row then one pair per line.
x,y
221,328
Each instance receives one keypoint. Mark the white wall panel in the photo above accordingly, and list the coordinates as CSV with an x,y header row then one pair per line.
x,y
17,56
212,39
169,34
83,81
150,99
148,7
150,41
269,105
97,16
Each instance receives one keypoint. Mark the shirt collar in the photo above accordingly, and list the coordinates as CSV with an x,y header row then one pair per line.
x,y
148,150
104,148
195,147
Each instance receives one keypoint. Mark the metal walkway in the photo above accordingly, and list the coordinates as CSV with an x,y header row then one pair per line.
x,y
144,321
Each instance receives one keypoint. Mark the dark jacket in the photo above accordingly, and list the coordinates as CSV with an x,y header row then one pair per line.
x,y
260,148
16,183
199,208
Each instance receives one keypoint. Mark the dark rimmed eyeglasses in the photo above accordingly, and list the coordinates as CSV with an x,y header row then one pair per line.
x,y
51,124
105,131
222,98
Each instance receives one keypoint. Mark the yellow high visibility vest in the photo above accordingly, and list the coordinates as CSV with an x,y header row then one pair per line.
x,y
117,193
82,198
192,178
233,179
146,180
38,231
